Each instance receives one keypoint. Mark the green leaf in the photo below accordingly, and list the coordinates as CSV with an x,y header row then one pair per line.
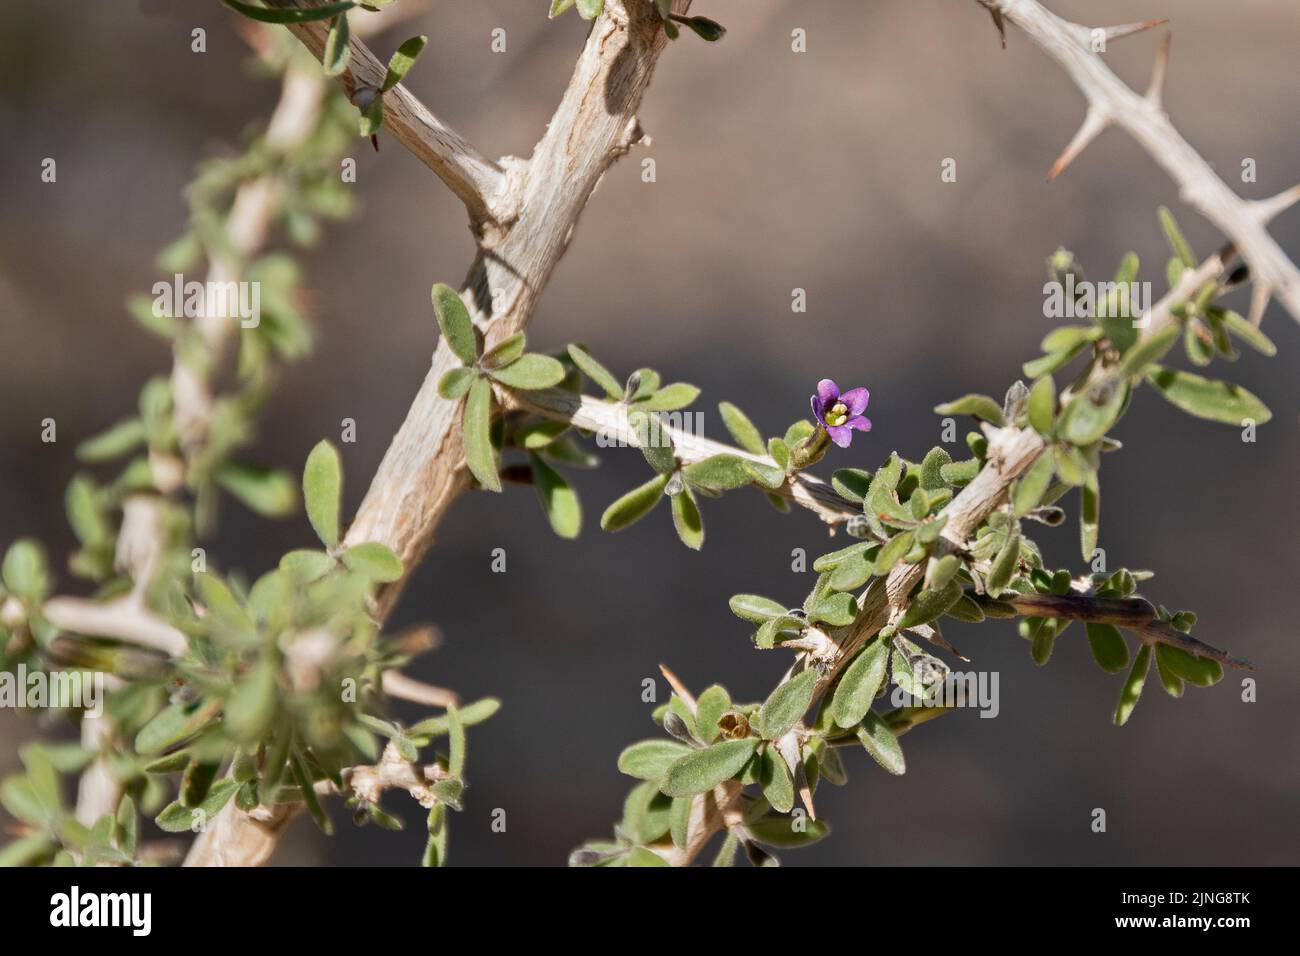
x,y
590,9
1089,514
742,429
559,500
1084,420
119,439
558,7
476,428
1175,236
651,759
788,832
177,818
754,608
504,352
455,323
932,604
1208,398
401,62
1201,671
852,572
857,688
1243,330
687,519
1148,350
706,29
530,372
1042,406
851,484
251,708
1004,564
634,505
595,371
720,473
785,705
1128,697
702,770
302,777
322,489
669,398
271,493
1032,485
539,434
225,614
291,14
24,570
657,447
374,561
470,715
335,56
1045,365
981,406
456,383
679,819
837,610
893,551
307,565
775,780
1108,647
879,740
709,708
171,725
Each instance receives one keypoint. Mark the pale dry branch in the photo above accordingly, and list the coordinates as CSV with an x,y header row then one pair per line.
x,y
423,470
479,183
609,420
1113,102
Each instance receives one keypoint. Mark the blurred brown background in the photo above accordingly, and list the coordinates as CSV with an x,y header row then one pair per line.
x,y
775,171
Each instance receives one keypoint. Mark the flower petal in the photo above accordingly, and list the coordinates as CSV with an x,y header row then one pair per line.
x,y
840,434
855,399
818,410
827,391
860,423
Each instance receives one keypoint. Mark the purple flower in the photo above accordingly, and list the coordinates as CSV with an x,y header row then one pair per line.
x,y
840,414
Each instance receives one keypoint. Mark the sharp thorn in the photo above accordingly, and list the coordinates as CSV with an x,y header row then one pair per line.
x,y
1258,303
678,687
998,21
1093,125
1158,71
1128,29
1267,209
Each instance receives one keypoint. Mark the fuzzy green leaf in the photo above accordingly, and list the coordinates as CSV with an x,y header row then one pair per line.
x,y
322,489
785,705
702,770
530,372
374,561
559,500
476,427
857,688
455,323
596,372
981,406
879,740
1206,398
634,505
400,63
1137,677
1108,647
687,519
742,429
